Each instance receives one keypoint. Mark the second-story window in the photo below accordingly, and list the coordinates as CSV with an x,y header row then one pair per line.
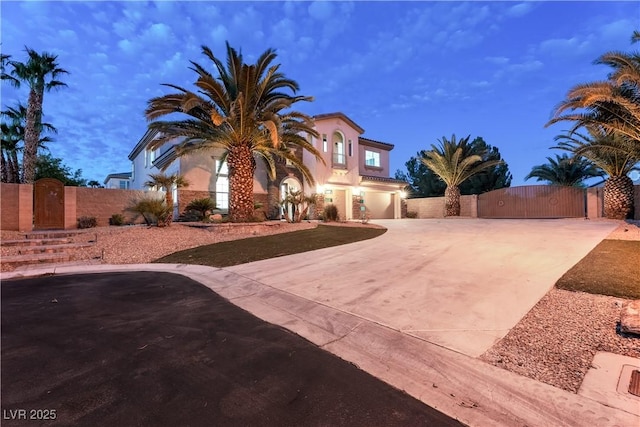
x,y
372,158
324,143
338,149
350,148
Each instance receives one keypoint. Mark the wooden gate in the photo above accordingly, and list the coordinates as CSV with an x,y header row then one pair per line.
x,y
533,201
48,204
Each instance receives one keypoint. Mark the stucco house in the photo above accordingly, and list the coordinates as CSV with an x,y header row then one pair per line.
x,y
120,180
355,176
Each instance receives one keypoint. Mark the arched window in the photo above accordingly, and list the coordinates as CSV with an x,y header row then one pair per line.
x,y
338,150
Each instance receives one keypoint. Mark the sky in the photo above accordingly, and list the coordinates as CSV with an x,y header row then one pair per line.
x,y
408,72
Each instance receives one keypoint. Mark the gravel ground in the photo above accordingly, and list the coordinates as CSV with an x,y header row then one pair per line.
x,y
554,343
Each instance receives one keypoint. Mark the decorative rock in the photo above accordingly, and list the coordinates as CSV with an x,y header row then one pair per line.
x,y
215,217
630,318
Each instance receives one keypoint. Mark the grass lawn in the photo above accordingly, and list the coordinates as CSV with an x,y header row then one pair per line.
x,y
611,268
241,251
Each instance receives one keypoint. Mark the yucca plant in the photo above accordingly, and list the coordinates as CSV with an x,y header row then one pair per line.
x,y
453,162
153,210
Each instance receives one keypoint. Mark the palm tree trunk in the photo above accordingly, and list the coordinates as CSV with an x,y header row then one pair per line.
x,y
242,166
32,134
452,201
168,197
4,173
14,167
618,197
273,199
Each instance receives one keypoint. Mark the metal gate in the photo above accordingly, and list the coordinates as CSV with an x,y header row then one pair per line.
x,y
48,204
533,201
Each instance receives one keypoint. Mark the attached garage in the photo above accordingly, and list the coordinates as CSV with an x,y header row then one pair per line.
x,y
379,204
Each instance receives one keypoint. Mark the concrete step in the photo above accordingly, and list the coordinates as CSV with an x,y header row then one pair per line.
x,y
17,260
52,248
52,234
34,242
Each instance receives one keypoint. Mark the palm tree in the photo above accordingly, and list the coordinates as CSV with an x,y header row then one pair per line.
x,y
565,170
612,105
454,163
609,152
13,138
245,111
40,73
167,182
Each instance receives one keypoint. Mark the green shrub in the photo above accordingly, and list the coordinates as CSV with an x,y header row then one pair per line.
x,y
87,222
116,219
412,214
330,213
201,206
154,210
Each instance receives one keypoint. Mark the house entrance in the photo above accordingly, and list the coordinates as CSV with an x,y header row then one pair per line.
x,y
48,204
288,185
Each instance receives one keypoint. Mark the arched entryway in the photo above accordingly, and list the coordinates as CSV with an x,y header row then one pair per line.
x,y
48,204
288,185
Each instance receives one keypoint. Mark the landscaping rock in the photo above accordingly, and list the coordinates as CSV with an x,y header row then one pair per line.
x,y
215,217
630,317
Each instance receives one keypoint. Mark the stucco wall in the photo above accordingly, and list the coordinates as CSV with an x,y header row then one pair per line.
x,y
16,207
433,207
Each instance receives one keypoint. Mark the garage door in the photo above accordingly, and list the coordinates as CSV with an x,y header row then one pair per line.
x,y
379,205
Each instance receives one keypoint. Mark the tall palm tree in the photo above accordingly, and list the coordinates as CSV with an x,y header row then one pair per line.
x,y
13,131
607,151
167,182
612,105
243,109
40,72
565,170
454,163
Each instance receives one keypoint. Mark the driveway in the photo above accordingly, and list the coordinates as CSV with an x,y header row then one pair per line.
x,y
458,283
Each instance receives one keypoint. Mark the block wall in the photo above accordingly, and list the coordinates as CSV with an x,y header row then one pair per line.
x,y
433,207
101,203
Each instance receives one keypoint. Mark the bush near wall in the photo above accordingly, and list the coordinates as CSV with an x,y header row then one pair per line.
x,y
102,203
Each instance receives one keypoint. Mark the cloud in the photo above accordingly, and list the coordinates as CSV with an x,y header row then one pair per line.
x,y
320,10
563,47
127,46
157,33
498,60
519,9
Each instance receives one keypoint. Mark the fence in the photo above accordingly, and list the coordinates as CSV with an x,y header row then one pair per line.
x,y
533,201
17,205
539,201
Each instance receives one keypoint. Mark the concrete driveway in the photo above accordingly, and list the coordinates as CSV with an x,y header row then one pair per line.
x,y
458,283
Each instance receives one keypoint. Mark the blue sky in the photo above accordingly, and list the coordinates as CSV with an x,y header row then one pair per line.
x,y
407,72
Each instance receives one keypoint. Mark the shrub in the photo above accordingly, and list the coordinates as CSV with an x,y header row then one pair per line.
x,y
201,206
87,222
412,214
297,203
116,219
330,213
154,210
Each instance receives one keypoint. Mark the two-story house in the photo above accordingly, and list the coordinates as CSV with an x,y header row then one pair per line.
x,y
121,181
355,176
